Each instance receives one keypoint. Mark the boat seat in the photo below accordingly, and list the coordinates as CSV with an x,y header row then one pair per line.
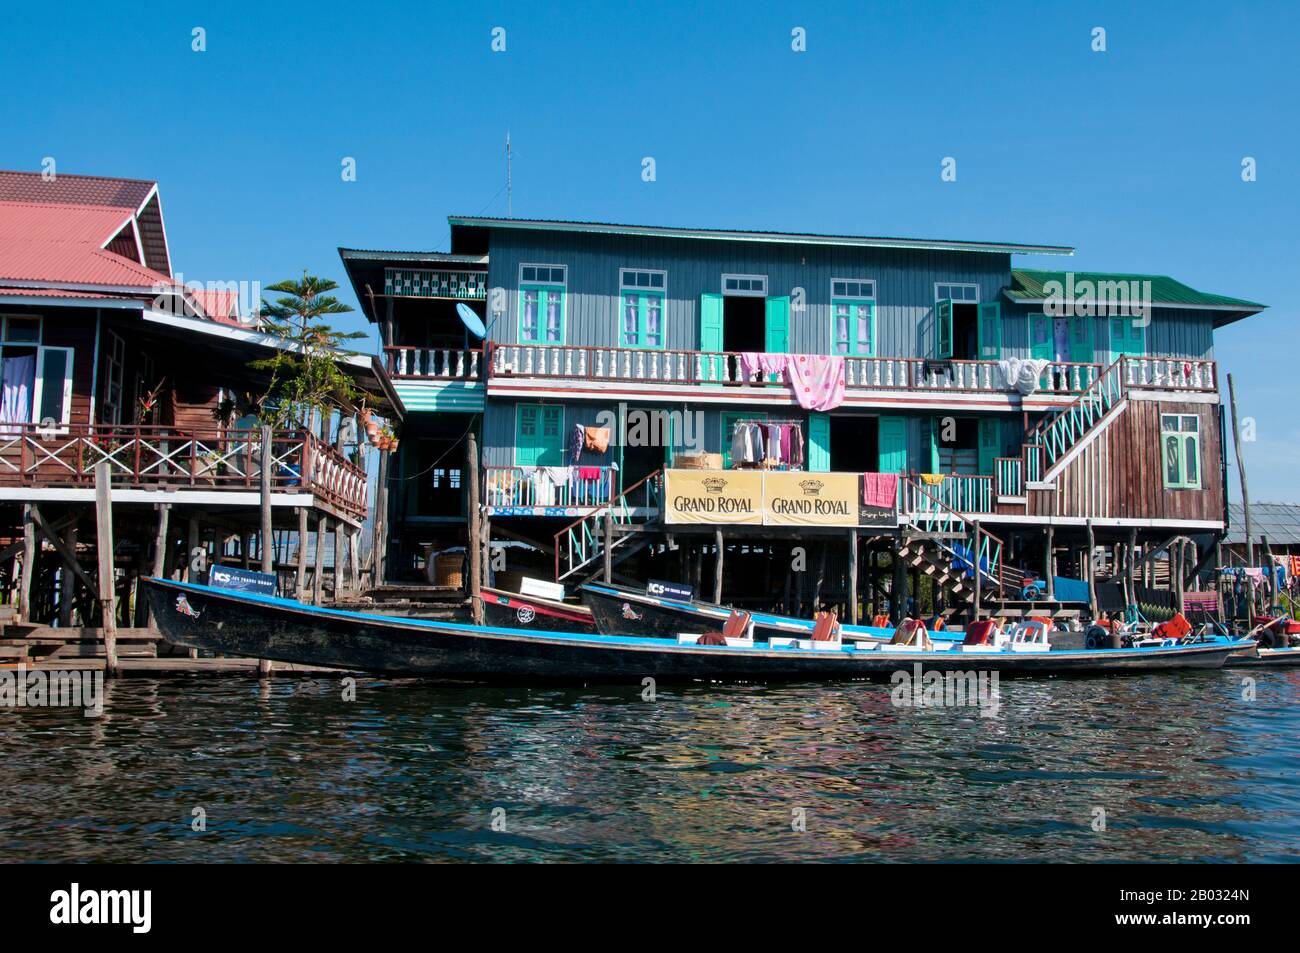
x,y
711,638
982,632
825,627
912,633
737,625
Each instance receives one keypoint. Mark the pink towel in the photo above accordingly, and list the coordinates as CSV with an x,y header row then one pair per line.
x,y
751,364
774,363
817,380
588,473
880,489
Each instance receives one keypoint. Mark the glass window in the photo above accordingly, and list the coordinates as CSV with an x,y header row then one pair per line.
x,y
1180,441
22,330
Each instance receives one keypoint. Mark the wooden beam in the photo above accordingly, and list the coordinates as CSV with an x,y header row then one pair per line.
x,y
720,545
68,556
340,557
853,577
820,579
193,546
607,550
1092,573
379,545
317,576
1241,472
67,581
104,543
1050,569
975,565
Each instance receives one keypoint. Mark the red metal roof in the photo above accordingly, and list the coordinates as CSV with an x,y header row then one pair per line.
x,y
74,190
61,244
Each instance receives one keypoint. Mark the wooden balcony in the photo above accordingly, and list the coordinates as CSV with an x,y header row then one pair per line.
x,y
433,363
168,458
534,490
616,364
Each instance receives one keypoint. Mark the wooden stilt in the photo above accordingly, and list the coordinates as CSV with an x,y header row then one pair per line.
x,y
340,559
473,517
27,583
819,581
68,579
897,589
607,548
1050,570
318,567
1092,573
300,579
977,610
104,543
1241,472
354,560
1130,565
717,566
487,549
379,545
853,577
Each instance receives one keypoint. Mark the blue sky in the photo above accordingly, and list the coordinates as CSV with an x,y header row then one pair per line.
x,y
1132,155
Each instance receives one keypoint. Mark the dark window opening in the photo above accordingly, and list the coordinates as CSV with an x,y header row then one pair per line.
x,y
854,444
965,332
439,484
958,440
744,323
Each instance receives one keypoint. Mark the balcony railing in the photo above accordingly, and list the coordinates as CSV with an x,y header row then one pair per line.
x,y
32,455
1170,373
438,362
725,367
547,487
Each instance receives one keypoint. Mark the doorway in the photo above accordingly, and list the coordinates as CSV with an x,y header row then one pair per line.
x,y
744,324
965,332
855,443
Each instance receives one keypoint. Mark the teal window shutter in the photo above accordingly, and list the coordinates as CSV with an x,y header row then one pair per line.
x,y
539,435
777,340
990,331
892,441
711,322
929,445
1081,351
1040,337
853,327
819,442
943,329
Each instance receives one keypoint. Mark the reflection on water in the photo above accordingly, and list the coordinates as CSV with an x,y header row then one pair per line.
x,y
1182,766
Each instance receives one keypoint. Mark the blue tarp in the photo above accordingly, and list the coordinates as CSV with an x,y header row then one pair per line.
x,y
1070,590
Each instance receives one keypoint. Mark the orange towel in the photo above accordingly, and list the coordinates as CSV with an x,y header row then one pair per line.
x,y
597,438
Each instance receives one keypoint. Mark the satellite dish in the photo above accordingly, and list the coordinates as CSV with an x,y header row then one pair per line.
x,y
471,320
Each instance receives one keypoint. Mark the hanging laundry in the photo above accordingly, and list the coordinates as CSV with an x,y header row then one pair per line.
x,y
932,479
774,364
588,473
576,443
751,364
880,489
597,438
817,380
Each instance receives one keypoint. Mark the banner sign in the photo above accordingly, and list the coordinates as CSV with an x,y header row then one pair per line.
x,y
670,590
795,498
713,496
764,498
241,580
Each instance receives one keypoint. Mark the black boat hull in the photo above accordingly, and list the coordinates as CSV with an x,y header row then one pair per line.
x,y
238,624
511,611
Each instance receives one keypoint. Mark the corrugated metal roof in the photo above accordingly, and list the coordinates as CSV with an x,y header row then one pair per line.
x,y
721,234
74,189
1029,285
1280,522
374,254
61,244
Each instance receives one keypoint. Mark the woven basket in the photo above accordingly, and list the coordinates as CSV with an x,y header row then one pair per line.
x,y
698,461
449,570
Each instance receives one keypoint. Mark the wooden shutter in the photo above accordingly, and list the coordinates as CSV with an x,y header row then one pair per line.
x,y
892,441
819,442
990,331
943,329
777,340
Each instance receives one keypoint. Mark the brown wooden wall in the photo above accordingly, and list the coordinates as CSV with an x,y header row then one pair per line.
x,y
1120,474
74,328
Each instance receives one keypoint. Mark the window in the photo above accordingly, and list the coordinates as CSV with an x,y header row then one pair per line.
x,y
37,379
641,308
539,435
958,294
853,317
753,286
446,479
1128,338
115,365
542,303
1180,447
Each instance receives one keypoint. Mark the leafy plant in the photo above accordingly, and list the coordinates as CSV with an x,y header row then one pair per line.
x,y
306,378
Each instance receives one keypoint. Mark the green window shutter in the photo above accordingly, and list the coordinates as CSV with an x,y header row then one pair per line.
x,y
711,322
552,436
778,326
990,331
990,443
868,346
1040,337
819,442
528,445
943,329
930,444
892,441
1081,350
1127,338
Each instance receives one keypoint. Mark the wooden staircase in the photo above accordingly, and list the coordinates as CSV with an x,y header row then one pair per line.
x,y
580,546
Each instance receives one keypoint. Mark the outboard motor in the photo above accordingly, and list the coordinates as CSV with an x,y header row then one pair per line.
x,y
1098,636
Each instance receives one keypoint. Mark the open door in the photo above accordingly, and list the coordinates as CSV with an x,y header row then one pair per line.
x,y
990,444
943,330
777,339
711,335
990,331
819,442
893,445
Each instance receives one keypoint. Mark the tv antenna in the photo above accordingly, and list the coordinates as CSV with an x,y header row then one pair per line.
x,y
509,187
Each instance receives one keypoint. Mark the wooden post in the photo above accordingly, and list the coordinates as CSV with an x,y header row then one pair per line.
x,y
318,567
265,544
898,588
1178,568
717,566
354,560
487,549
379,544
193,541
853,577
1092,574
1270,571
820,579
28,581
104,542
68,579
160,544
340,558
607,547
475,552
1241,472
300,580
975,564
1051,575
1130,565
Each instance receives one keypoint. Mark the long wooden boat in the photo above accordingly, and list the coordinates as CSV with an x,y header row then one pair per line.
x,y
238,623
514,611
1257,657
618,609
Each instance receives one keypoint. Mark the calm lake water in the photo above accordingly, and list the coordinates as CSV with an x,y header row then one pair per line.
x,y
1183,767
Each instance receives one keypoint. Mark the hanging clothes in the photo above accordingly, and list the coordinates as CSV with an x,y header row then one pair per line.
x,y
19,379
880,489
751,364
576,442
774,364
597,438
817,380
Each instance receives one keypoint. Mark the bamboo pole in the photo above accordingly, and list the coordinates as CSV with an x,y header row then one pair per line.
x,y
717,566
853,577
104,543
379,545
1092,572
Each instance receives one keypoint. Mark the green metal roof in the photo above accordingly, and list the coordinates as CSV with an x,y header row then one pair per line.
x,y
723,234
1030,285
